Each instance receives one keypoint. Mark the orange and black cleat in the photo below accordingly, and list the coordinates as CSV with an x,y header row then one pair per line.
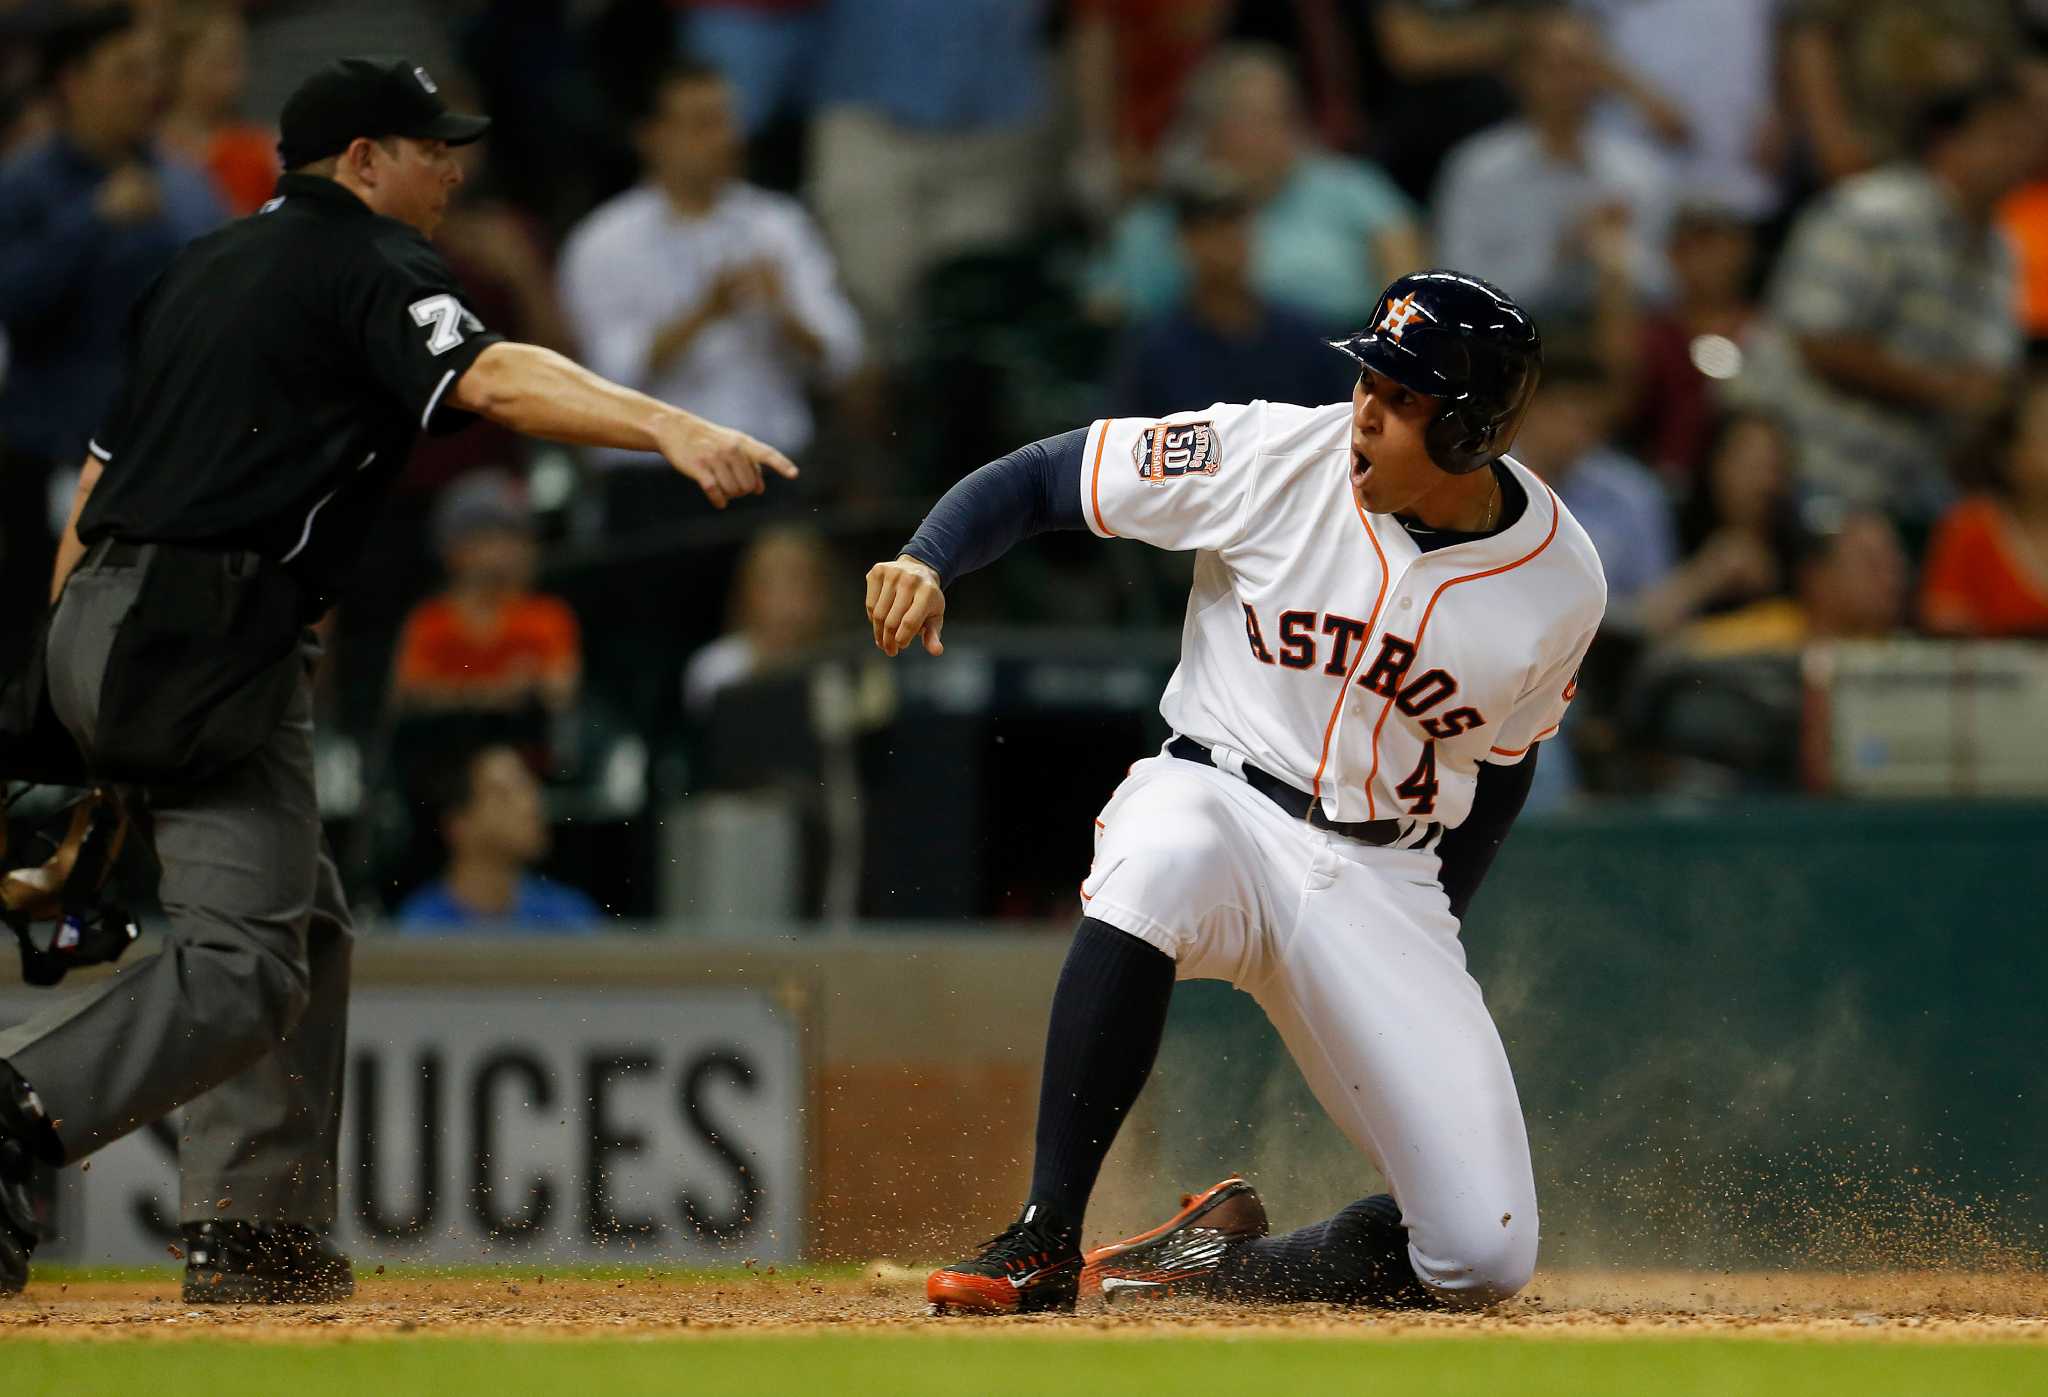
x,y
1035,1265
1182,1254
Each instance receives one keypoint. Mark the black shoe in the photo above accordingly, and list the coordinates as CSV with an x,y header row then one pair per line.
x,y
26,1185
1034,1265
262,1263
20,1223
1180,1255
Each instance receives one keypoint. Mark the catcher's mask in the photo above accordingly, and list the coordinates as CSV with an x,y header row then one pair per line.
x,y
1464,342
54,907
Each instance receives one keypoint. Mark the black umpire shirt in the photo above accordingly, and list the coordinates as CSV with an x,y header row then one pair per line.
x,y
277,376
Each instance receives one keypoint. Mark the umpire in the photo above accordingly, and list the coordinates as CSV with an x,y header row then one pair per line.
x,y
277,375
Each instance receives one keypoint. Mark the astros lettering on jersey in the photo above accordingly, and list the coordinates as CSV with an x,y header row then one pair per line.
x,y
1320,644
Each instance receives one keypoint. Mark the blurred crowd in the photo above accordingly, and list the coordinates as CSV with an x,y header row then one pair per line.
x,y
1790,260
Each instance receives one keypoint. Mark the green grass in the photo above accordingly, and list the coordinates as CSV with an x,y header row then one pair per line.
x,y
907,1365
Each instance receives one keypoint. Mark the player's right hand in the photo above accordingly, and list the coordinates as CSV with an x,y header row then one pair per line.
x,y
905,601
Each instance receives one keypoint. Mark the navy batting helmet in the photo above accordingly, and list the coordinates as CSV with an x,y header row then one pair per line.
x,y
1464,342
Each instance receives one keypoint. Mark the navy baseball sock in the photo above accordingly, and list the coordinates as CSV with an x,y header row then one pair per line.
x,y
1359,1257
1108,1015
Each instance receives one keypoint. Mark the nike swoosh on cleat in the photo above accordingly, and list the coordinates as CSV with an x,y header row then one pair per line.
x,y
1112,1284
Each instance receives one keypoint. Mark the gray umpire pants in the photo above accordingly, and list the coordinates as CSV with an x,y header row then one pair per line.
x,y
242,1018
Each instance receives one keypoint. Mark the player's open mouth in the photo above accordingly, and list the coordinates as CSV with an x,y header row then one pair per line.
x,y
1361,467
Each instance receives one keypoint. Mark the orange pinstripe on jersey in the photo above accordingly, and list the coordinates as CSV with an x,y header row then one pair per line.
x,y
1556,513
1095,479
1517,751
1364,644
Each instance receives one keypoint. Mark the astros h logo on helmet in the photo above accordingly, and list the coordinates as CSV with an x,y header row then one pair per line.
x,y
1399,314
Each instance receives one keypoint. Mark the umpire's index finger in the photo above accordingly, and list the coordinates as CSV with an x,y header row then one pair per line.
x,y
780,463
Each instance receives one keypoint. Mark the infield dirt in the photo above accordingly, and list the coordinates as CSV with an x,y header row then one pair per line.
x,y
1926,1306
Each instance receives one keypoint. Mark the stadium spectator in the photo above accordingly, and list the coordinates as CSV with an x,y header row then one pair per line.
x,y
89,214
1859,72
1987,568
1726,698
704,291
488,642
1698,77
767,49
777,615
209,68
1516,201
491,818
1682,354
1445,66
1737,529
1894,330
1223,342
1850,582
1328,231
1623,508
1131,60
929,139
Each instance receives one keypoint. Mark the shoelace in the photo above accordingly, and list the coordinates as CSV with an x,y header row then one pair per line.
x,y
1019,1244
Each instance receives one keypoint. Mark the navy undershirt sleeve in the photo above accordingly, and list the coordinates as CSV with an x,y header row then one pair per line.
x,y
1033,490
1465,853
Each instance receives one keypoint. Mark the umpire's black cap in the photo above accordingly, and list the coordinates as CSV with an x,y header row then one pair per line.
x,y
374,97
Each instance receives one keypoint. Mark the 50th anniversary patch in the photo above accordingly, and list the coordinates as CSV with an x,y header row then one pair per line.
x,y
1172,450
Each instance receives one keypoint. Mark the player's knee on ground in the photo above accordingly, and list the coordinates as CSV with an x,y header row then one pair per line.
x,y
1482,1261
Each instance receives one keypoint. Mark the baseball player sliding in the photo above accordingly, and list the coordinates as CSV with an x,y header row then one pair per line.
x,y
1387,616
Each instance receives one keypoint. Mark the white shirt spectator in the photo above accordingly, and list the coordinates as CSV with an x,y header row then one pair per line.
x,y
1509,211
1715,60
635,265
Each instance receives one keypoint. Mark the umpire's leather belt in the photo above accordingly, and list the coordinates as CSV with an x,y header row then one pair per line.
x,y
1300,804
113,553
120,553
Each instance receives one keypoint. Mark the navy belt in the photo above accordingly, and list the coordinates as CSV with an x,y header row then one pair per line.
x,y
1300,804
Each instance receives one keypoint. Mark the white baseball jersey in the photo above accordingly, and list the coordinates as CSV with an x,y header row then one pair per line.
x,y
1324,647
1320,643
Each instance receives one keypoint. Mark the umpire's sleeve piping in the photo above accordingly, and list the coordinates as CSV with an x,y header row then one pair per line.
x,y
97,450
435,401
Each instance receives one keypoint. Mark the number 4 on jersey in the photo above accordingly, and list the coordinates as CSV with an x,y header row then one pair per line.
x,y
1421,784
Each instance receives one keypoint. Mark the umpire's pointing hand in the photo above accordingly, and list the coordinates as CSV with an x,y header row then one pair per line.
x,y
725,463
905,601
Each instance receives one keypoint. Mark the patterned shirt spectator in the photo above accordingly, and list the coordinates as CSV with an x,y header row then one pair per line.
x,y
1858,71
1889,259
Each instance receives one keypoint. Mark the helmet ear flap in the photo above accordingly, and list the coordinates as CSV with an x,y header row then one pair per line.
x,y
1456,445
